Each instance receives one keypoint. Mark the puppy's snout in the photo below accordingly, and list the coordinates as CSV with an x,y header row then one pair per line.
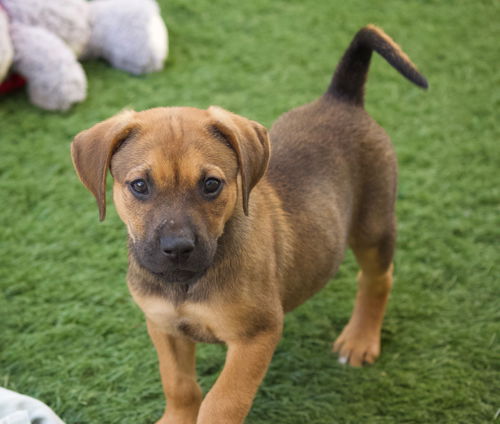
x,y
177,248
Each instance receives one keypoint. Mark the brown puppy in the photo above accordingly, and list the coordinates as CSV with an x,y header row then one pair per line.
x,y
209,263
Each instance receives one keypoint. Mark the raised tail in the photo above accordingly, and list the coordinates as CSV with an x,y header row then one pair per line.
x,y
349,78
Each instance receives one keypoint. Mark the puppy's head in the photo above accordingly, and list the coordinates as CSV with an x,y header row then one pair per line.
x,y
179,175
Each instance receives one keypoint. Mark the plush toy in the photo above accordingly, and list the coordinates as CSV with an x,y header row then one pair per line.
x,y
6,52
42,40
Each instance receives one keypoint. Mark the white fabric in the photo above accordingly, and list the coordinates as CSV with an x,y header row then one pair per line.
x,y
18,417
20,409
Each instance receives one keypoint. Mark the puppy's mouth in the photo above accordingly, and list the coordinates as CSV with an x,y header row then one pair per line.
x,y
179,276
168,271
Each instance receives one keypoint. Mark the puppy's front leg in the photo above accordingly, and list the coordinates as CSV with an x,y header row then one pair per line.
x,y
230,399
178,375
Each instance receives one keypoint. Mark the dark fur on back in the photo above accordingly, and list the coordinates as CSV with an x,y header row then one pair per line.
x,y
331,153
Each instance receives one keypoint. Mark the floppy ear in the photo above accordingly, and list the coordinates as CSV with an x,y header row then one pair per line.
x,y
92,149
250,141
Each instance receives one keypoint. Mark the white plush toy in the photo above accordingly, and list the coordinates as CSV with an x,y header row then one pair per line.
x,y
6,52
48,37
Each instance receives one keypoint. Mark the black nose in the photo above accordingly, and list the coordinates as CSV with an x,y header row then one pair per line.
x,y
176,248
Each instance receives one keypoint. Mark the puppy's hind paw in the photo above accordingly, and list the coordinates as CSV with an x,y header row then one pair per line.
x,y
356,348
343,360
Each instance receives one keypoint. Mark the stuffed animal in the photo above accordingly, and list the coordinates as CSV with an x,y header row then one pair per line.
x,y
6,52
47,37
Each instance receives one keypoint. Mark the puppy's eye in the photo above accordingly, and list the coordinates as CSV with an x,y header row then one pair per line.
x,y
211,186
139,187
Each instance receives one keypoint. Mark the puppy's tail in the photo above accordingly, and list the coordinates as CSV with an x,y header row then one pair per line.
x,y
349,79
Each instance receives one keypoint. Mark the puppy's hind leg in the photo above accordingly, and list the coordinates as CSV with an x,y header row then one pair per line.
x,y
359,342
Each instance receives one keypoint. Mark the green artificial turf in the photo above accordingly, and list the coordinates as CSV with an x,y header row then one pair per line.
x,y
69,332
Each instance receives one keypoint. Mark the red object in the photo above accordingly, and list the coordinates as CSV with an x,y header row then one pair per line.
x,y
12,83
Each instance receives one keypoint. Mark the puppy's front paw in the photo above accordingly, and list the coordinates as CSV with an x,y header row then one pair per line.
x,y
356,346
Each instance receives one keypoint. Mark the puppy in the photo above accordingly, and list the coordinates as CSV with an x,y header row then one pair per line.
x,y
224,238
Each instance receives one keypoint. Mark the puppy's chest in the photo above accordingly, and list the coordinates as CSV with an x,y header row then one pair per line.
x,y
185,320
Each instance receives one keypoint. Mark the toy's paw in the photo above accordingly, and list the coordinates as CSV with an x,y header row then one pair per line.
x,y
55,78
129,34
356,345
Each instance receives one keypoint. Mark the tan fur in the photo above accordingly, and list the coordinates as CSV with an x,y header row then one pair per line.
x,y
360,339
380,32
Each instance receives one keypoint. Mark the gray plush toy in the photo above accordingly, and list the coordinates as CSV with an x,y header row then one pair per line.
x,y
48,37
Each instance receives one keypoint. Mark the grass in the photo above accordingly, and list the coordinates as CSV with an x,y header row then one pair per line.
x,y
69,332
